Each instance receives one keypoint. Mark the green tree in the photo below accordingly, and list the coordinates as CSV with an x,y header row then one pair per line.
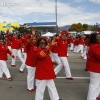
x,y
78,27
85,26
73,27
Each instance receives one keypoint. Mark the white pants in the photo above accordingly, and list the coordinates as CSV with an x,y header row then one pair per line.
x,y
75,48
71,46
30,77
23,64
80,48
56,58
93,86
17,53
4,69
63,62
41,85
84,53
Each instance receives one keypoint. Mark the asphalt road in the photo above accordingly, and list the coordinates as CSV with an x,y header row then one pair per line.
x,y
68,89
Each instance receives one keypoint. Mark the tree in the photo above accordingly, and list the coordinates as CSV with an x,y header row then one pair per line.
x,y
78,27
73,27
85,26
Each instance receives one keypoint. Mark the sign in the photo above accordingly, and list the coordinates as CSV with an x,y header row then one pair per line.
x,y
8,26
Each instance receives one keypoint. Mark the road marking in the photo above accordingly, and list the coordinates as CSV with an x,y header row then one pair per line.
x,y
76,77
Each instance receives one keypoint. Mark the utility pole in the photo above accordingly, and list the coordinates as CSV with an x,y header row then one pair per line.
x,y
56,15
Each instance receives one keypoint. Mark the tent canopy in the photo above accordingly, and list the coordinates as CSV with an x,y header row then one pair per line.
x,y
48,34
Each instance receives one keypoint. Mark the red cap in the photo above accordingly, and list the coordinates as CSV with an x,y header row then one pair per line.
x,y
64,32
29,35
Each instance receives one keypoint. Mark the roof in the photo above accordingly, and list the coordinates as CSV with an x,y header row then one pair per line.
x,y
42,24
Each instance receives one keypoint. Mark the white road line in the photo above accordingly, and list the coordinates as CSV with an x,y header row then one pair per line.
x,y
76,77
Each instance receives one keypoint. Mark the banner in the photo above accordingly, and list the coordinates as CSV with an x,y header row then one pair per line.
x,y
8,26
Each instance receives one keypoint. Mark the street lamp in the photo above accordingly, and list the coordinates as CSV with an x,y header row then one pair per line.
x,y
56,14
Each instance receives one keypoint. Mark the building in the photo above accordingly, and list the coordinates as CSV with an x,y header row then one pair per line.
x,y
43,27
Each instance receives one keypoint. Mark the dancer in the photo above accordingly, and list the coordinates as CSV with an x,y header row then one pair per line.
x,y
62,52
93,66
3,57
44,72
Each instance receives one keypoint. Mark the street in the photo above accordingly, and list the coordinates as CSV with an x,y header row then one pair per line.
x,y
67,89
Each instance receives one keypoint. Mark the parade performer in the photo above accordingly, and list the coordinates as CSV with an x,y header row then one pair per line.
x,y
75,44
16,49
54,51
71,41
80,44
86,45
93,66
25,42
44,72
62,52
3,57
30,62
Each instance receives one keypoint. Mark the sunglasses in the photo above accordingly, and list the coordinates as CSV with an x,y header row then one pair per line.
x,y
42,42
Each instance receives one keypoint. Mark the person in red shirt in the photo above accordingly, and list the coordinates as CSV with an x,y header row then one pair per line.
x,y
8,42
31,63
3,57
75,44
80,44
62,52
16,49
25,42
86,45
44,73
71,41
54,51
93,66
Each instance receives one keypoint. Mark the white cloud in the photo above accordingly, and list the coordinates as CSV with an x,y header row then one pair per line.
x,y
95,1
87,18
65,13
78,0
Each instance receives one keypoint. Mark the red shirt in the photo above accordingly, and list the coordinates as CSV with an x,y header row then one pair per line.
x,y
16,44
70,40
3,52
24,41
93,58
86,41
54,48
76,42
31,55
8,42
80,41
44,66
62,47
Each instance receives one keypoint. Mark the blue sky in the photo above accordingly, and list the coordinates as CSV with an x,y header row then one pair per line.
x,y
68,11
